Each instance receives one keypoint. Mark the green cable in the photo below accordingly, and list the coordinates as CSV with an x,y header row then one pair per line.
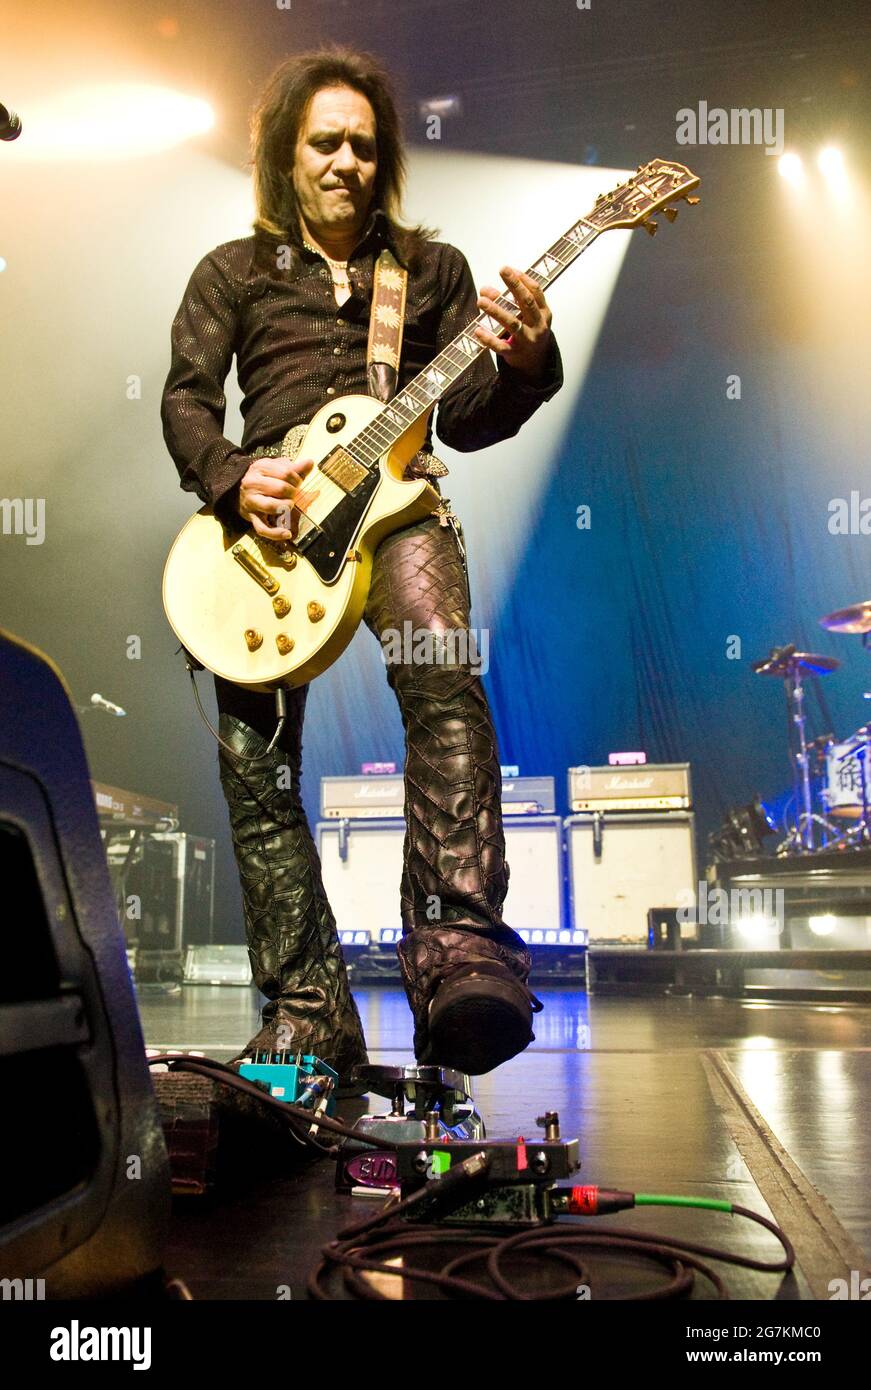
x,y
665,1199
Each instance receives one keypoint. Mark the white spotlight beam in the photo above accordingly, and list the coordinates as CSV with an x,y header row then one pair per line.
x,y
110,121
502,211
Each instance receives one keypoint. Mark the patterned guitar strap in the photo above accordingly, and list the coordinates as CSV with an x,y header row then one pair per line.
x,y
386,323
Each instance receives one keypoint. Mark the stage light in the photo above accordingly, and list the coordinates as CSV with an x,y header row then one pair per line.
x,y
831,163
112,121
823,925
742,833
440,106
791,168
757,927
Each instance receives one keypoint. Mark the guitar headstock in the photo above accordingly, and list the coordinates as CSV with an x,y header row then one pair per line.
x,y
653,188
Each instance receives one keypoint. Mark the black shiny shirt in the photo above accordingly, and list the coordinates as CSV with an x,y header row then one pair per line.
x,y
296,349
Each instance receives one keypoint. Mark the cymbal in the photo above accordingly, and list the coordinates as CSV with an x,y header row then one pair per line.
x,y
856,618
786,661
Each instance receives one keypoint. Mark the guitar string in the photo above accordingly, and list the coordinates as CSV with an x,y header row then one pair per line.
x,y
414,390
576,244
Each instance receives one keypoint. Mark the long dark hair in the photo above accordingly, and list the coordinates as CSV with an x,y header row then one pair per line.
x,y
275,126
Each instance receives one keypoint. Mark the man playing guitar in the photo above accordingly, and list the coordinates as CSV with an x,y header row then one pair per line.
x,y
292,302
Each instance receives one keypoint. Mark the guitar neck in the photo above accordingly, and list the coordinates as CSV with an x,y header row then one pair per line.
x,y
415,399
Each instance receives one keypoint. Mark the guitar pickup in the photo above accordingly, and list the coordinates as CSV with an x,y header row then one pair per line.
x,y
343,469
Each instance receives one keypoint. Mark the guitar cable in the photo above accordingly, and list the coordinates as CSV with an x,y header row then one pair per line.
x,y
384,1244
280,709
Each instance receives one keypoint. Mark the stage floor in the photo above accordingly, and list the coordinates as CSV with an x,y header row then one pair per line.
x,y
765,1105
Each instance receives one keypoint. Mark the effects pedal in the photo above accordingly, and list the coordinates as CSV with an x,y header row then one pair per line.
x,y
426,1103
296,1078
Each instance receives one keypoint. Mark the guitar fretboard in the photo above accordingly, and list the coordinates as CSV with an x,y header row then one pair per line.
x,y
444,369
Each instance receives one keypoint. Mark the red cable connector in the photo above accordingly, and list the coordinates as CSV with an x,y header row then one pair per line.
x,y
595,1201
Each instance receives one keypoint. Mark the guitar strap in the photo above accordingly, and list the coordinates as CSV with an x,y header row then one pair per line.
x,y
386,324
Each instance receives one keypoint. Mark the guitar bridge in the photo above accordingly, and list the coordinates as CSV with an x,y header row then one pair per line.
x,y
256,568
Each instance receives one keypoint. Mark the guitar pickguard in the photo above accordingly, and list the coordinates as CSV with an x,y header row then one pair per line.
x,y
326,547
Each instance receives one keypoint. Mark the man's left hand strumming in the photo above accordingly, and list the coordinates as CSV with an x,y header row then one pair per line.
x,y
527,348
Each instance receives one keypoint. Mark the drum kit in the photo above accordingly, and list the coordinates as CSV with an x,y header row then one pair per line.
x,y
840,780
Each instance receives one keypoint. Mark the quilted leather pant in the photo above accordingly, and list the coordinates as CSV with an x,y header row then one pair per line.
x,y
455,875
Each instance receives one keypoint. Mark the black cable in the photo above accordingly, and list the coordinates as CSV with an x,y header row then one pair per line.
x,y
281,705
368,1247
293,1114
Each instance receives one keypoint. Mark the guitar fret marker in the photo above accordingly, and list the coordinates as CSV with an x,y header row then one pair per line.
x,y
419,395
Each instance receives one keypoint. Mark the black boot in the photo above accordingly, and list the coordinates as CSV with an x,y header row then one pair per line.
x,y
295,954
471,1004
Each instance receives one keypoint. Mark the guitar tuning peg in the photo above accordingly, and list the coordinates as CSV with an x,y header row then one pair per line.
x,y
693,200
670,213
650,226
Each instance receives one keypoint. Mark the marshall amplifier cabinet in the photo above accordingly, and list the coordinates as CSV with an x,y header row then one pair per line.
x,y
362,869
363,798
622,865
383,798
646,787
528,796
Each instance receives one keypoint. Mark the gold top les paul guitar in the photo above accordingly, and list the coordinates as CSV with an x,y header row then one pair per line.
x,y
264,614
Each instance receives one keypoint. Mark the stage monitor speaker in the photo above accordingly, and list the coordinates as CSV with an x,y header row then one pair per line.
x,y
362,870
84,1179
623,864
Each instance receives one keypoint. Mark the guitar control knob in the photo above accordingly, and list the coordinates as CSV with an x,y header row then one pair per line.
x,y
284,643
281,605
315,611
253,639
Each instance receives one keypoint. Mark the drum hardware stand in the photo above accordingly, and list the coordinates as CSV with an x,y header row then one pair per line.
x,y
833,833
787,664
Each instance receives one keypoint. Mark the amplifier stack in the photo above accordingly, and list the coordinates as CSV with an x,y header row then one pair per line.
x,y
164,880
360,841
629,847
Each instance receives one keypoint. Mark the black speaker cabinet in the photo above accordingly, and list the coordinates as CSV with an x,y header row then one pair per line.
x,y
84,1180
